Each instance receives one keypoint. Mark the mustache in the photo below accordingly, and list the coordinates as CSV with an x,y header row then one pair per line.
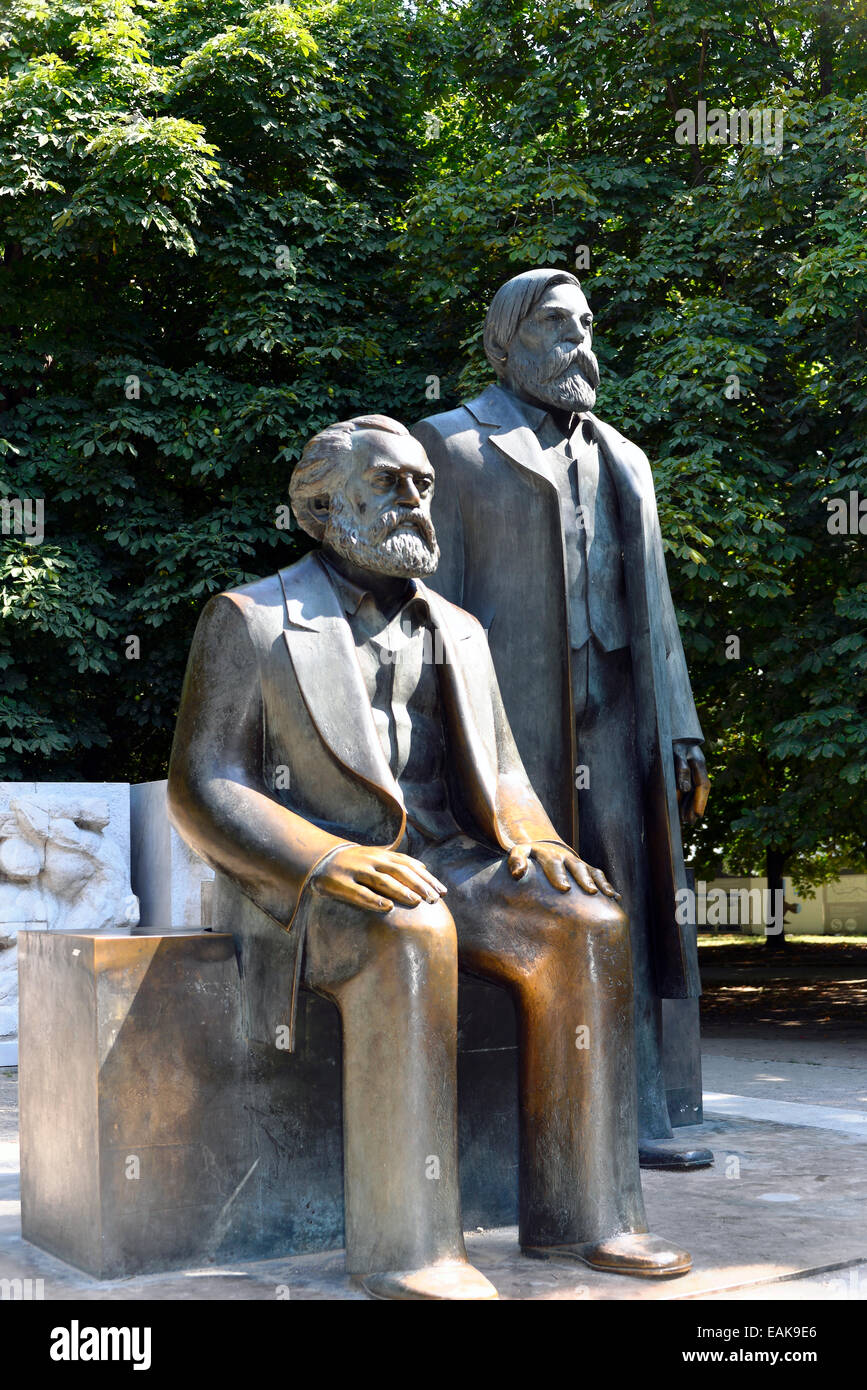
x,y
394,519
565,363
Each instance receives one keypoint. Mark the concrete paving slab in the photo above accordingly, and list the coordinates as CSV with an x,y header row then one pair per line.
x,y
788,1113
787,1079
834,1054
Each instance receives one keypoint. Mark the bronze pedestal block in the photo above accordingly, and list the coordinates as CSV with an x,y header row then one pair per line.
x,y
132,1144
681,1061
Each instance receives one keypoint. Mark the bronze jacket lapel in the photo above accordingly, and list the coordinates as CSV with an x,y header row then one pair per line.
x,y
319,641
467,703
320,645
511,433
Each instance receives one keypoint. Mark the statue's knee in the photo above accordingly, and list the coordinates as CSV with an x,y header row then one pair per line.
x,y
593,917
567,923
605,915
348,945
429,928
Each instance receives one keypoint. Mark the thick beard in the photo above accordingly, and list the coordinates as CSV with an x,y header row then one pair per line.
x,y
404,554
565,380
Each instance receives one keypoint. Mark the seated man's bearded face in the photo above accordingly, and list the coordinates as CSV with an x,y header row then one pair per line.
x,y
380,519
550,359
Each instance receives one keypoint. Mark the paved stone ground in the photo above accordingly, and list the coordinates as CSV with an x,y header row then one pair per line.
x,y
782,1216
794,1073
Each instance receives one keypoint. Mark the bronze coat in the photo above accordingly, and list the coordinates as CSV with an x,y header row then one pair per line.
x,y
276,760
497,516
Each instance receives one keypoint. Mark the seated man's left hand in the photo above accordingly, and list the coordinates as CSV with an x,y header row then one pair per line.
x,y
557,863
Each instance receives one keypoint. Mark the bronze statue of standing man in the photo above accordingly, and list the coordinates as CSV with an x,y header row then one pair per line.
x,y
549,534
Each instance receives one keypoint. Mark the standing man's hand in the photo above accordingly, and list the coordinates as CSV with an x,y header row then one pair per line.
x,y
693,783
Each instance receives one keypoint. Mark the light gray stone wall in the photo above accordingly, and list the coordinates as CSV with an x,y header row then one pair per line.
x,y
64,866
167,876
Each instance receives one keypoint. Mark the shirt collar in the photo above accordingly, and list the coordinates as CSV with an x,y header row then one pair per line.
x,y
352,595
535,415
532,415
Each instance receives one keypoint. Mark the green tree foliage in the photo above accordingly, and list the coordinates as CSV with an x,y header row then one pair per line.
x,y
195,210
261,218
729,281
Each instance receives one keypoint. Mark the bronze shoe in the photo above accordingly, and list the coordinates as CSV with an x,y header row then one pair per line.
x,y
669,1153
456,1280
637,1253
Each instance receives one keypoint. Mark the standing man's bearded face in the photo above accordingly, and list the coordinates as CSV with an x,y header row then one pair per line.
x,y
380,520
550,360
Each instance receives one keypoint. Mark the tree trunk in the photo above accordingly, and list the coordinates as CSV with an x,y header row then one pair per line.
x,y
775,862
825,47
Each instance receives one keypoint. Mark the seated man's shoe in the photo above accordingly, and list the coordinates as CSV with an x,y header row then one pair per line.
x,y
641,1254
455,1280
671,1153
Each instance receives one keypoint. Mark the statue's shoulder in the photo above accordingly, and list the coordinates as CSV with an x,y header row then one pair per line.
x,y
446,425
262,602
611,434
460,437
259,593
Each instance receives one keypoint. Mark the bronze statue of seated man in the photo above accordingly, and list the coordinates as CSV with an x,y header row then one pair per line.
x,y
343,755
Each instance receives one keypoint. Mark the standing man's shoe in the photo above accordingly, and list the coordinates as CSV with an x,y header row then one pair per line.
x,y
668,1153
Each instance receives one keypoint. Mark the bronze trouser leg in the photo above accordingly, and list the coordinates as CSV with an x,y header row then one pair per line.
x,y
565,958
394,980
